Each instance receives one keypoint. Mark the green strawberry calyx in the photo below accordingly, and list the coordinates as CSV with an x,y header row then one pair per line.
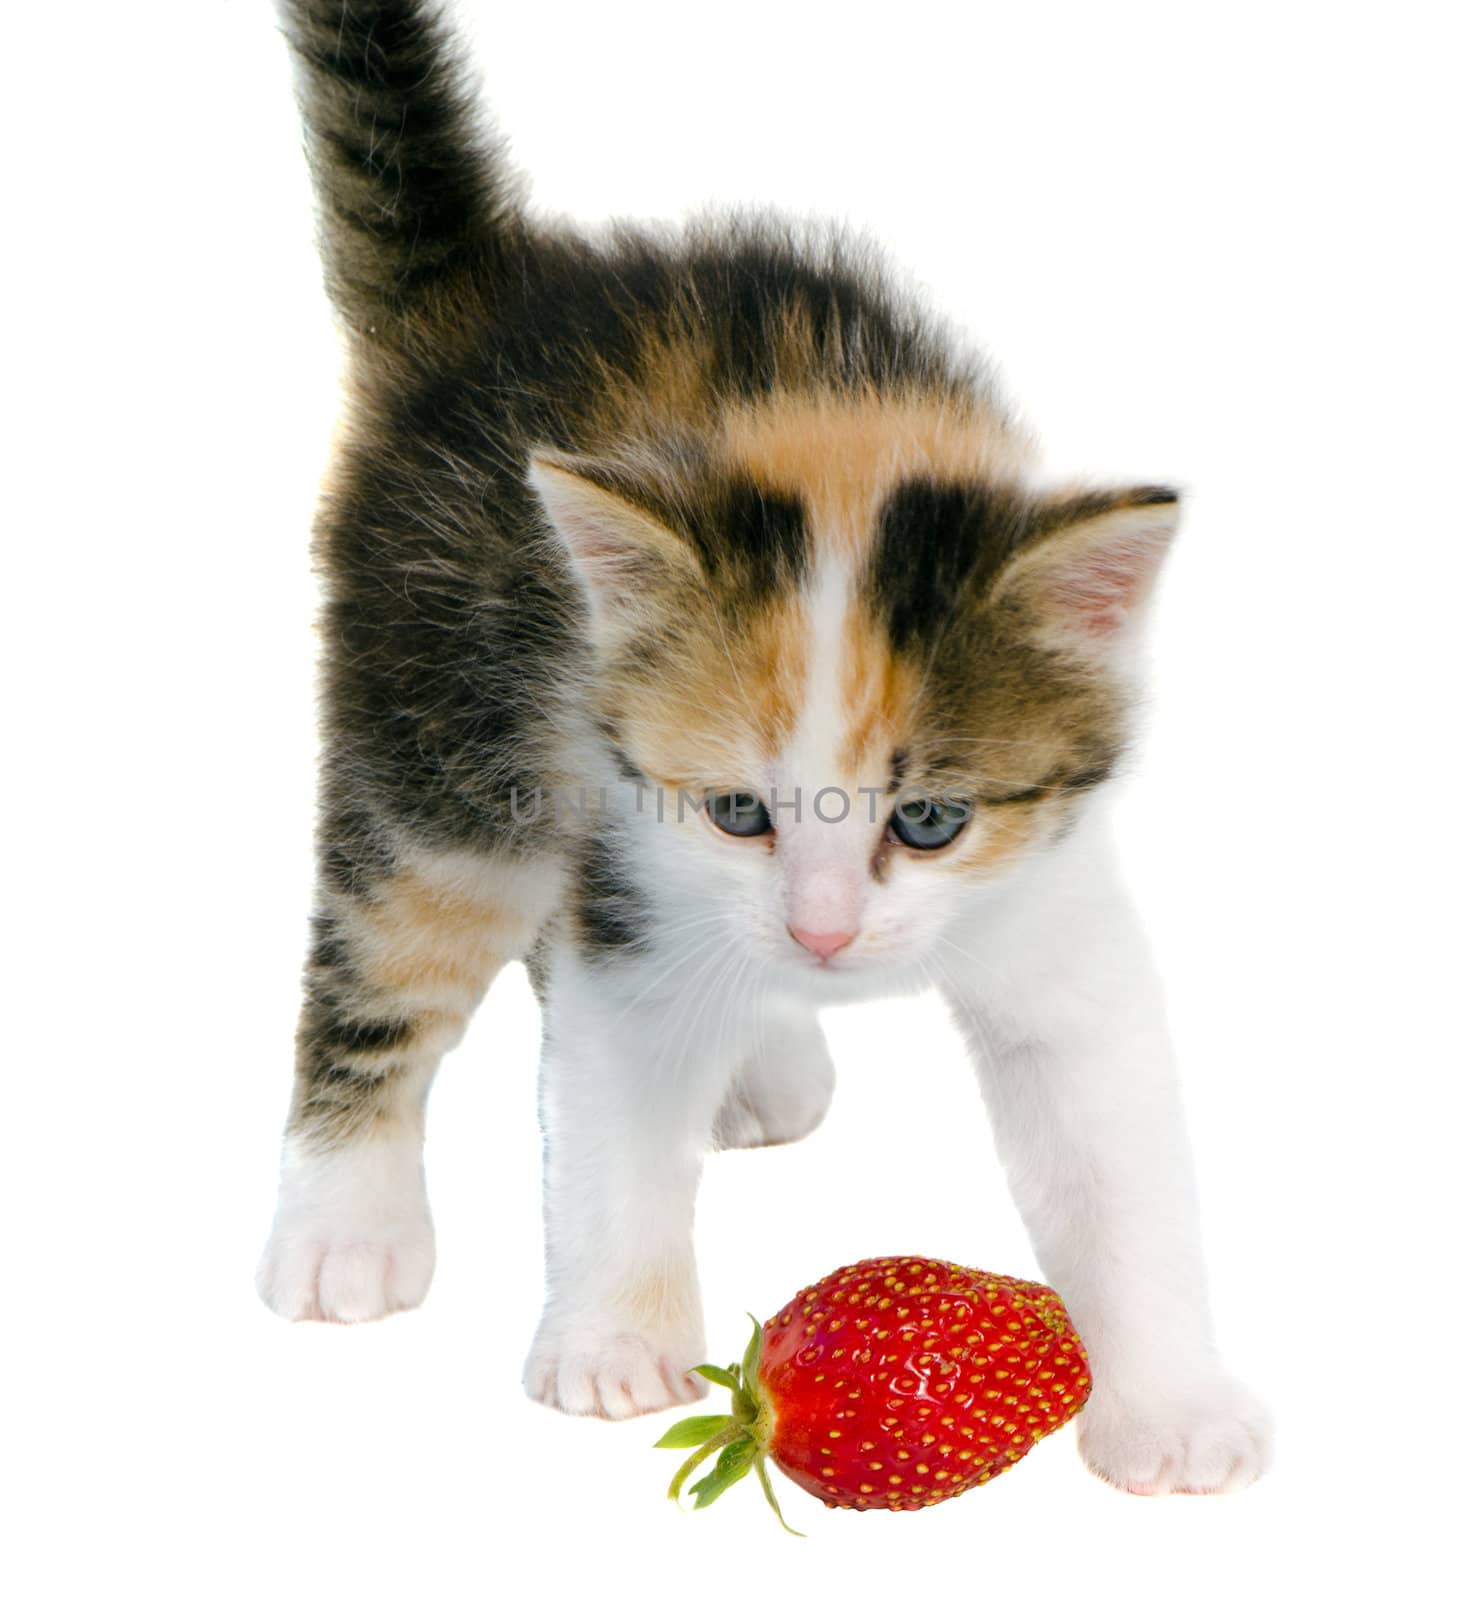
x,y
739,1442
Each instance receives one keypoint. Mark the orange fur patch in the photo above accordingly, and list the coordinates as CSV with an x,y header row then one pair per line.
x,y
997,836
668,386
727,704
429,944
842,453
660,1298
877,691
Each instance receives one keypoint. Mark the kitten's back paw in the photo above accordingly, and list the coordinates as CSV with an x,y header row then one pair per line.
x,y
1197,1439
353,1238
616,1376
782,1094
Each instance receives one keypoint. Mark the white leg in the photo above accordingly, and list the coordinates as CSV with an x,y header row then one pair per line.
x,y
1059,1000
630,1090
782,1089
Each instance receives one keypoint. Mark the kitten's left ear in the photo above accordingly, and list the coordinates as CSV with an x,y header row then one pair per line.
x,y
629,563
1083,580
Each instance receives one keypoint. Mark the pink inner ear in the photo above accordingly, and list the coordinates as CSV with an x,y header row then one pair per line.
x,y
1097,589
597,546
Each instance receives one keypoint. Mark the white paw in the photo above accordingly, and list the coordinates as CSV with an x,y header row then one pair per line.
x,y
1195,1439
352,1239
616,1375
325,1273
780,1096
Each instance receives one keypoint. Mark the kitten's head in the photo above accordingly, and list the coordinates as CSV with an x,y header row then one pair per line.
x,y
882,670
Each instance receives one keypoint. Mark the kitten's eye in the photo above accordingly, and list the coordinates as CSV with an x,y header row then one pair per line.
x,y
740,813
929,824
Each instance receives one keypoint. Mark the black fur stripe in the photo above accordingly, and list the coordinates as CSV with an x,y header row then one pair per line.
x,y
755,533
1076,782
934,538
613,913
1064,511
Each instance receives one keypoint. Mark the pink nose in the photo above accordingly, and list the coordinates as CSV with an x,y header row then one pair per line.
x,y
823,945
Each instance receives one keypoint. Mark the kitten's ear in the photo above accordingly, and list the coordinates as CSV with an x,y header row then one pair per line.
x,y
1084,578
626,559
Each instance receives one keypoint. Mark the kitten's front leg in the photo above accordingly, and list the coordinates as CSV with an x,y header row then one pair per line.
x,y
1061,1004
631,1083
396,967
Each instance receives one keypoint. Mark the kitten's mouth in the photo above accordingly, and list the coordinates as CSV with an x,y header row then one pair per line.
x,y
837,964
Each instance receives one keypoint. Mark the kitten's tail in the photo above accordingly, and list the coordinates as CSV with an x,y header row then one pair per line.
x,y
419,213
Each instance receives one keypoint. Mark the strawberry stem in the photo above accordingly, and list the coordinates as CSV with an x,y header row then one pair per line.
x,y
741,1440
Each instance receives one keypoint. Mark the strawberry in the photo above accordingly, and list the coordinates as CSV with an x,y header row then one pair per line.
x,y
897,1382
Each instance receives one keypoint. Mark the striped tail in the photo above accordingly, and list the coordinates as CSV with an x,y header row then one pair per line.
x,y
418,211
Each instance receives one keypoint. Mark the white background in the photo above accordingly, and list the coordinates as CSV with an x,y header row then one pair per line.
x,y
1224,246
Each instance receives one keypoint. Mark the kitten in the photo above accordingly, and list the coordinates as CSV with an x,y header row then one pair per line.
x,y
698,631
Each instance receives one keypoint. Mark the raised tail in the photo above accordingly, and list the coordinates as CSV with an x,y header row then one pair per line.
x,y
418,212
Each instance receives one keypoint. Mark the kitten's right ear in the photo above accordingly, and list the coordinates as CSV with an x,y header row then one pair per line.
x,y
1084,579
627,561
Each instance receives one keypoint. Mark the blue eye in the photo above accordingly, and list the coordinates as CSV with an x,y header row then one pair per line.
x,y
929,824
740,813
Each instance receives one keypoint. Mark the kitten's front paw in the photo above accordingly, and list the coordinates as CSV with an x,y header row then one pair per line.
x,y
1195,1439
352,1240
616,1375
327,1273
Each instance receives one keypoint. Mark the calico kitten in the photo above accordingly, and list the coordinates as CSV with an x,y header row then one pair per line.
x,y
697,630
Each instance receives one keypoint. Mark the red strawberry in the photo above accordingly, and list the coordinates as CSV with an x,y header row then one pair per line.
x,y
896,1382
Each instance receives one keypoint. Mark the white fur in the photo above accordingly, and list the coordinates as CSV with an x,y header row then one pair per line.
x,y
781,1092
633,1080
352,1239
1055,990
824,863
